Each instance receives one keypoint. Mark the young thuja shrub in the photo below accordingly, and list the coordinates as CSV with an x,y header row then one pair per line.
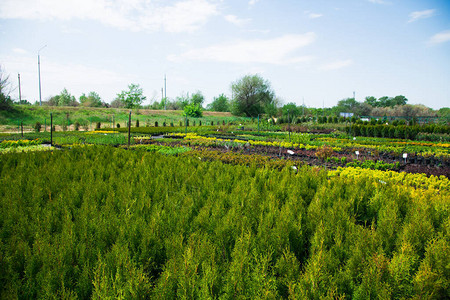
x,y
37,127
118,125
98,125
137,123
336,160
77,126
156,123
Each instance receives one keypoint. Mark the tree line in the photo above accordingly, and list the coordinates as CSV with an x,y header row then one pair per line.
x,y
252,96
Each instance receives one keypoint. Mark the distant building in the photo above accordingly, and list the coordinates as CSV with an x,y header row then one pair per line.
x,y
346,115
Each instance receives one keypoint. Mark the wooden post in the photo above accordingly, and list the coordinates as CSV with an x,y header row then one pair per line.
x,y
129,129
21,127
51,129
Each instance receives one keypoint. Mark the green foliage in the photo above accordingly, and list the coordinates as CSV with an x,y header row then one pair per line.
x,y
37,126
133,97
293,110
104,222
251,96
370,164
63,99
197,99
92,100
433,132
221,103
193,110
386,101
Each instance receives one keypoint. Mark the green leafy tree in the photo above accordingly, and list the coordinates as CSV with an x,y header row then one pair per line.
x,y
132,98
294,111
63,99
93,100
193,110
251,96
197,98
371,100
384,101
399,100
221,103
182,101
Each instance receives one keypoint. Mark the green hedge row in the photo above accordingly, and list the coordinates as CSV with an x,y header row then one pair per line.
x,y
400,131
106,223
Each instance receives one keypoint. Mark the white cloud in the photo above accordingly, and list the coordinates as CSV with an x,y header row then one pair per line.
x,y
252,2
135,15
336,65
441,37
236,21
417,15
19,51
270,51
312,15
378,1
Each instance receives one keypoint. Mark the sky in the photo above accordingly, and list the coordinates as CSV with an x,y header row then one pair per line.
x,y
312,52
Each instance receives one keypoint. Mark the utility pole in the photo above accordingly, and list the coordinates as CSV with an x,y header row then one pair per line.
x,y
20,94
354,95
39,73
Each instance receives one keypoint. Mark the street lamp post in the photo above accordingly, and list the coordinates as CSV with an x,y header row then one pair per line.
x,y
39,74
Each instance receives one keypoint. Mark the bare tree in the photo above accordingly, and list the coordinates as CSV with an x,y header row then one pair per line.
x,y
5,91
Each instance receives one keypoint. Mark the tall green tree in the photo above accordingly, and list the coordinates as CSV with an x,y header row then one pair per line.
x,y
197,99
399,100
251,95
371,100
292,108
384,101
63,99
221,103
132,98
92,99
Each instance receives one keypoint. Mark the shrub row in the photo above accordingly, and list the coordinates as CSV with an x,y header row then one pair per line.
x,y
102,222
401,131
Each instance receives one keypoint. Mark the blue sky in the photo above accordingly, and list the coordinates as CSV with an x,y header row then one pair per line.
x,y
317,51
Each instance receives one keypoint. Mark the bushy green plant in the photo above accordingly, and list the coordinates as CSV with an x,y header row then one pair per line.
x,y
193,110
105,222
37,126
